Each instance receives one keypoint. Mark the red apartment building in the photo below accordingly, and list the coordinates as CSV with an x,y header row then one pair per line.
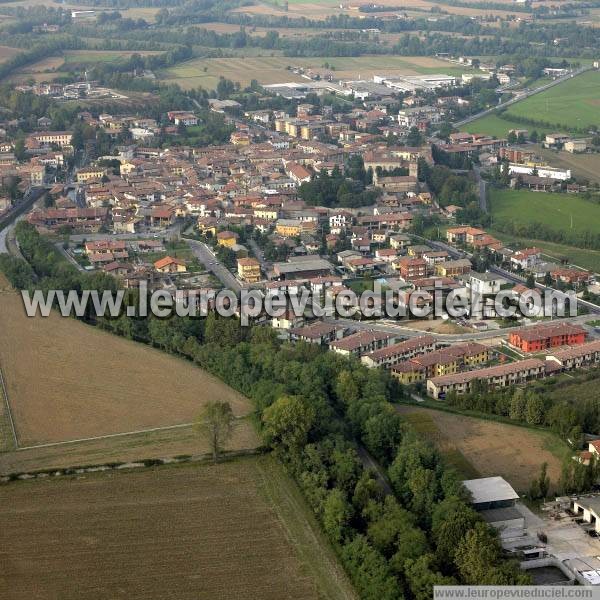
x,y
412,268
541,337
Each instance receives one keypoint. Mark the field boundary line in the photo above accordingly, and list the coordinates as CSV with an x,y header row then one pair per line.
x,y
8,410
112,435
106,437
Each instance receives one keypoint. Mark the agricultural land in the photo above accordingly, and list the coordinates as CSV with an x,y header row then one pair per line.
x,y
485,448
186,532
81,392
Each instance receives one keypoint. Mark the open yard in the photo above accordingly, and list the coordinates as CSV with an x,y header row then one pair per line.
x,y
557,211
481,448
234,530
68,381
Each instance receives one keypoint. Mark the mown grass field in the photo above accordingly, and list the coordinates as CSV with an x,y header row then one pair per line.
x,y
498,127
558,211
234,530
484,448
573,104
68,381
272,69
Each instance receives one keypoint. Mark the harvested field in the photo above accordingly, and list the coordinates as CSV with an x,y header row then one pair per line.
x,y
163,443
273,69
478,447
7,52
91,383
584,166
233,530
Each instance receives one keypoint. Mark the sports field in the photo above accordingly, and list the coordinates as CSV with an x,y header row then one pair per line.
x,y
234,530
558,211
273,69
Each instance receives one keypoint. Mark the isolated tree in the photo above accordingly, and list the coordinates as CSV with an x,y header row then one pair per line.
x,y
217,421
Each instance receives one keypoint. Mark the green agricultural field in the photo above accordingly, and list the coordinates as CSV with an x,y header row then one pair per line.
x,y
498,127
574,104
558,211
101,56
273,69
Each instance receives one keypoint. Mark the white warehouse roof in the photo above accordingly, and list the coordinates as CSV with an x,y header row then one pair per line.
x,y
490,489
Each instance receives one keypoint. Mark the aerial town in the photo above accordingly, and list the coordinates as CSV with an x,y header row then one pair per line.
x,y
422,409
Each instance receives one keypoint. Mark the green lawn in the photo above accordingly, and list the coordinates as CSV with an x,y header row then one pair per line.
x,y
574,104
496,127
571,105
559,211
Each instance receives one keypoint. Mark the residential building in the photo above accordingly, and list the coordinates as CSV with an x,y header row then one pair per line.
x,y
361,343
498,376
169,264
578,356
248,270
392,355
227,238
541,337
453,268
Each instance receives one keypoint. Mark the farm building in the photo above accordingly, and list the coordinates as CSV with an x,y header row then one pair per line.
x,y
494,499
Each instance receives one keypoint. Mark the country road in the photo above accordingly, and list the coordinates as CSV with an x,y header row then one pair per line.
x,y
9,220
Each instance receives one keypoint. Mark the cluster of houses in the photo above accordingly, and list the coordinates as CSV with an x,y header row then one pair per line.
x,y
445,369
525,261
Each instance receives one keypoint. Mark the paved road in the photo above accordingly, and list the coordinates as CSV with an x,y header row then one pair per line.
x,y
260,255
206,256
29,199
521,96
